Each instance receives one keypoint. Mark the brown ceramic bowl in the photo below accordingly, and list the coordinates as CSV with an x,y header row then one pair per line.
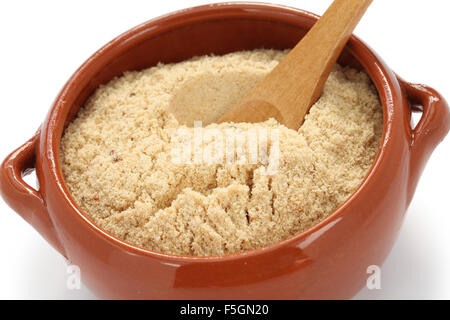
x,y
329,260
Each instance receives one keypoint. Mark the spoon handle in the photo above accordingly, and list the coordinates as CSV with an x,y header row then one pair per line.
x,y
296,83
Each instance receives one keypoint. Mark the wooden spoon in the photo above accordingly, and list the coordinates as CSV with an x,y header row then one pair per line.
x,y
296,83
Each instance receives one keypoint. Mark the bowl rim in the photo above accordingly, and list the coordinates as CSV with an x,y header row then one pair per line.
x,y
172,21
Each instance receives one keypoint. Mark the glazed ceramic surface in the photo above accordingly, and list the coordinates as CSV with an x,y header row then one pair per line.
x,y
327,261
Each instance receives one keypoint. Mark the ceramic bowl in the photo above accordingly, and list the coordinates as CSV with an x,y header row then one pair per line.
x,y
329,260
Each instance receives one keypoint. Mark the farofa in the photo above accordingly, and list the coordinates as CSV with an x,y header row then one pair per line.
x,y
116,157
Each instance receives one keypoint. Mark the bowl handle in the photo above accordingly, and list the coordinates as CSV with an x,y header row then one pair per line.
x,y
431,129
21,197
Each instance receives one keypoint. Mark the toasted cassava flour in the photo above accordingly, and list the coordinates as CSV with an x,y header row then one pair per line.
x,y
117,157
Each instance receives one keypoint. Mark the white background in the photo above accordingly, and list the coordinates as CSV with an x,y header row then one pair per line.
x,y
43,42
